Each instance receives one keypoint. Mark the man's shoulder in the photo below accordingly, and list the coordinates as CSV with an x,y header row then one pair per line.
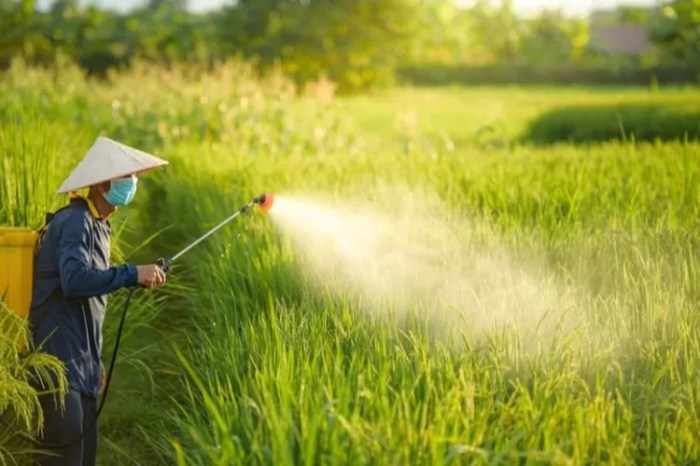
x,y
75,212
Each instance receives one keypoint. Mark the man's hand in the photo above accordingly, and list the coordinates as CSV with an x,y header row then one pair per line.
x,y
150,276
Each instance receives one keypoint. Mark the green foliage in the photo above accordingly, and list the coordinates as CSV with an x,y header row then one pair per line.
x,y
250,363
99,39
630,14
20,30
628,121
280,374
677,29
435,74
20,373
497,30
356,44
29,153
487,34
551,39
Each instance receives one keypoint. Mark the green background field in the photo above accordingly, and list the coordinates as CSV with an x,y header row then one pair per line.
x,y
240,359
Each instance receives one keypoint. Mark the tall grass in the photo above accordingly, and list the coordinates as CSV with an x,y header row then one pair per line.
x,y
28,152
40,143
281,375
254,363
20,375
26,176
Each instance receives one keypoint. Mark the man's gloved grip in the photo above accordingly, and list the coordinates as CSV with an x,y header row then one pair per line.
x,y
164,264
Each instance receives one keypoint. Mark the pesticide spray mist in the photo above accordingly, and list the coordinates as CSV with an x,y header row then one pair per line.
x,y
404,254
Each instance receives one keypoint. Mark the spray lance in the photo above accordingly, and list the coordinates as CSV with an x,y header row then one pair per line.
x,y
263,201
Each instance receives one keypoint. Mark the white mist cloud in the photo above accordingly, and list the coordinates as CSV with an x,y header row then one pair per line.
x,y
405,254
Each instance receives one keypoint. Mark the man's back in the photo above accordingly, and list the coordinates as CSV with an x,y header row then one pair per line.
x,y
70,326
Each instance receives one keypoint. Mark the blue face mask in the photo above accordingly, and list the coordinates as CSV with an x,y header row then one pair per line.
x,y
122,191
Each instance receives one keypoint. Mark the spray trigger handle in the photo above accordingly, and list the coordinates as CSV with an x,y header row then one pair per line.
x,y
164,264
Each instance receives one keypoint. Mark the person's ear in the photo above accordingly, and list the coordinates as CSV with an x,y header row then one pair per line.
x,y
104,186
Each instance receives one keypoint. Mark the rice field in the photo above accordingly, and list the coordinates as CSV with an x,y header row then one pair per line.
x,y
586,256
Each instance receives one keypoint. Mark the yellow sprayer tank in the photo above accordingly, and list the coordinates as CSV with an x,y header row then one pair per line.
x,y
17,268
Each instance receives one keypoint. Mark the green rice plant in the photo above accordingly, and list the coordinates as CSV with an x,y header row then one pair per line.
x,y
31,165
245,358
275,371
35,157
21,373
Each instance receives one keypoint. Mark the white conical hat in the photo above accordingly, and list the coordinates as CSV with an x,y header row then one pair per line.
x,y
107,160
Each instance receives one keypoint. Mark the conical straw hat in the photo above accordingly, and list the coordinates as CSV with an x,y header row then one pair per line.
x,y
107,160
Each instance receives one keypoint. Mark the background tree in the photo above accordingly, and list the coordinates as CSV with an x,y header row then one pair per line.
x,y
495,32
21,31
357,43
551,38
676,30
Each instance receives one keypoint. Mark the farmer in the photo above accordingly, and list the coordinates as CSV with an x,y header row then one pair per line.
x,y
73,276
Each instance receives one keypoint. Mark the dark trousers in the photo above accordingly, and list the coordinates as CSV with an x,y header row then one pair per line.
x,y
68,425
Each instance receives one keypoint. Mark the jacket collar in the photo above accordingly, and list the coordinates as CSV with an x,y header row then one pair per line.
x,y
93,210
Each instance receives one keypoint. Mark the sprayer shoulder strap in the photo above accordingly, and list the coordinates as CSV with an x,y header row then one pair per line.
x,y
41,232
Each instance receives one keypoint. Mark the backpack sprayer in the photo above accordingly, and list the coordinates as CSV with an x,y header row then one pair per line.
x,y
264,202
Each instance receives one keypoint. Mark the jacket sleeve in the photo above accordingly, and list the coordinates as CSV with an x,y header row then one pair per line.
x,y
78,278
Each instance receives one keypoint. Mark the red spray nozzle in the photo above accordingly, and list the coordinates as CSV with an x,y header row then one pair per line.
x,y
264,201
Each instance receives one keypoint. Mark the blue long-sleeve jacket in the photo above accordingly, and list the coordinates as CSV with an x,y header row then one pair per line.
x,y
74,258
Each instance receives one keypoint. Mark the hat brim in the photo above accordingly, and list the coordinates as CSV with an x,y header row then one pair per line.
x,y
108,160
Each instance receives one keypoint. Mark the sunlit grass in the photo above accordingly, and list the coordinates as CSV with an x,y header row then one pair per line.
x,y
250,362
488,115
287,376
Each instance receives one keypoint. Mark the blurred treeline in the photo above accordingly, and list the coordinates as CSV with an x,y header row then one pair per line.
x,y
359,44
